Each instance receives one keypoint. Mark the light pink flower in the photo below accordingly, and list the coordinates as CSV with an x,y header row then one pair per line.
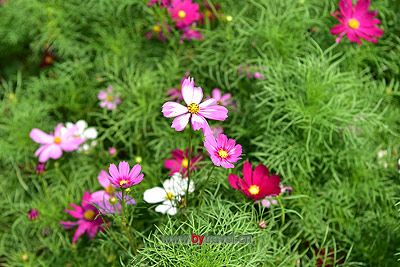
x,y
112,151
191,34
53,145
184,12
108,99
258,75
356,22
223,151
194,110
123,177
222,99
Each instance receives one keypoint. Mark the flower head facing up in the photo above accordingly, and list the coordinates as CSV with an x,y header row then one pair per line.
x,y
222,99
53,145
108,99
256,185
194,110
33,214
356,22
184,12
170,195
179,162
89,220
223,151
123,176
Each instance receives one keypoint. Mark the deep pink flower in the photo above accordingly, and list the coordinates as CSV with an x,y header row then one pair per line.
x,y
53,145
108,99
123,177
194,110
222,99
356,22
161,3
179,162
89,219
191,34
184,12
256,185
108,200
40,167
223,151
33,214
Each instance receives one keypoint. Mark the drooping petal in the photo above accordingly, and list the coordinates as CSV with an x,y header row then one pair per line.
x,y
80,231
198,122
180,122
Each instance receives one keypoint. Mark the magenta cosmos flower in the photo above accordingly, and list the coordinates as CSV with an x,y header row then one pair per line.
x,y
89,219
108,99
223,151
123,177
191,34
108,200
33,214
180,163
356,22
194,110
53,145
184,12
256,185
222,99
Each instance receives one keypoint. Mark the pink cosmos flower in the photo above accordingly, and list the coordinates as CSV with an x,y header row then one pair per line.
x,y
89,219
258,75
112,151
194,110
179,162
33,214
108,200
40,167
191,34
222,99
256,185
123,177
108,99
184,12
162,3
356,22
53,145
223,151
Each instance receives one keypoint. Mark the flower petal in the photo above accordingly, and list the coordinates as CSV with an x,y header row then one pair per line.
x,y
180,122
41,137
173,109
154,195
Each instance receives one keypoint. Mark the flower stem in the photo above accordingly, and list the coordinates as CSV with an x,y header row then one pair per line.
x,y
188,168
123,208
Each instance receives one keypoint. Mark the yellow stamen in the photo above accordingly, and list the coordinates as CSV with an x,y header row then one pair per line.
x,y
353,23
57,140
113,200
89,215
110,98
169,196
222,154
185,163
157,28
110,189
193,108
123,182
254,189
181,14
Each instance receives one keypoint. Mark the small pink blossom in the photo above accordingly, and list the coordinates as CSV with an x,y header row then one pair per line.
x,y
196,111
179,162
190,34
108,99
222,99
258,75
356,22
40,167
223,151
112,151
53,145
184,12
123,177
33,214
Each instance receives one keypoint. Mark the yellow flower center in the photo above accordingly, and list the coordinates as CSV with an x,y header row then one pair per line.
x,y
193,108
57,140
185,163
110,189
181,14
254,189
169,196
353,23
89,215
222,154
110,98
157,28
113,200
123,182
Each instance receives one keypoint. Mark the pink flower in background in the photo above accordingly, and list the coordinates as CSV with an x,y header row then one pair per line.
x,y
89,219
53,145
158,32
179,162
123,176
194,110
108,99
33,214
112,151
108,200
256,185
356,22
175,94
258,75
222,99
223,151
191,34
184,12
40,167
215,131
162,3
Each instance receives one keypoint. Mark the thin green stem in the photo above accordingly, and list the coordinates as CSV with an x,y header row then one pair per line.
x,y
188,168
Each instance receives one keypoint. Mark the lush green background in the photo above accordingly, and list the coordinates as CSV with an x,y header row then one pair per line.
x,y
318,119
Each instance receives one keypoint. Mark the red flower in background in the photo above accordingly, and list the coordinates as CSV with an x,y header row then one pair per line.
x,y
180,163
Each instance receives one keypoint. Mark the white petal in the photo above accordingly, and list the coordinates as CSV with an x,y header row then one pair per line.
x,y
154,195
90,133
82,125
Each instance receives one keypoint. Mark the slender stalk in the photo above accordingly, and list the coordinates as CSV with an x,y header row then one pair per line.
x,y
209,175
188,168
132,241
123,207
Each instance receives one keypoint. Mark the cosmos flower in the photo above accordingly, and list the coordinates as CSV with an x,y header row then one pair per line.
x,y
84,132
256,185
190,34
89,219
170,195
40,167
123,177
179,162
184,12
223,151
108,99
112,151
33,214
158,32
109,200
53,145
194,110
356,22
222,99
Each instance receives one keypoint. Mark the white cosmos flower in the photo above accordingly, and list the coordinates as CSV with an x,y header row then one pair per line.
x,y
169,195
84,132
